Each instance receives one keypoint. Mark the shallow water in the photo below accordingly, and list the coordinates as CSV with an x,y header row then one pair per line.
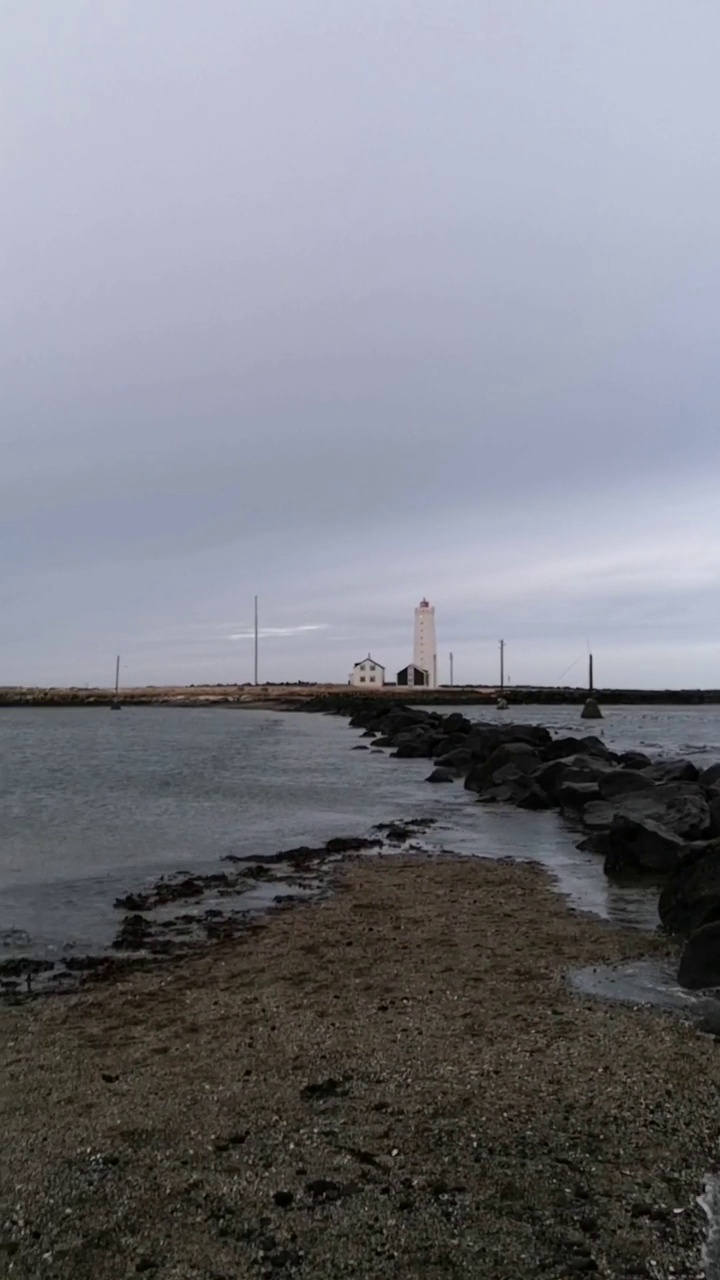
x,y
95,804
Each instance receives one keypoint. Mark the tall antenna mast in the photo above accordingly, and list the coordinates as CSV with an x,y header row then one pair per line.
x,y
452,681
256,640
502,666
117,674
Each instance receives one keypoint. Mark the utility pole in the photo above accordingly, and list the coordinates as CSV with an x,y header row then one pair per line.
x,y
502,666
591,683
256,640
451,672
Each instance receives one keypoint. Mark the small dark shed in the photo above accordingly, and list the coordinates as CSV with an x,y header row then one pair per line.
x,y
413,676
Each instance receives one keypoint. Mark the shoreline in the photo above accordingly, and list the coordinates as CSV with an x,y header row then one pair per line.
x,y
323,697
402,1059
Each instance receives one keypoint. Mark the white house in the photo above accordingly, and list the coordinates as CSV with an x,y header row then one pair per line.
x,y
368,672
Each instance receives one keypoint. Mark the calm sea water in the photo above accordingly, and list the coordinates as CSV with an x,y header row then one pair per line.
x,y
94,804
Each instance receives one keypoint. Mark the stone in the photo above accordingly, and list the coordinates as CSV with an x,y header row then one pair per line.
x,y
441,775
631,846
692,894
553,774
519,754
680,807
587,746
634,760
575,795
459,759
700,960
622,781
710,777
674,771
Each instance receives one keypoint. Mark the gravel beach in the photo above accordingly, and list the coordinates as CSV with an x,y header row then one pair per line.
x,y
392,1082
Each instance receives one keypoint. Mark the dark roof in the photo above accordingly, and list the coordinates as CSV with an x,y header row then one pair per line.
x,y
368,659
411,667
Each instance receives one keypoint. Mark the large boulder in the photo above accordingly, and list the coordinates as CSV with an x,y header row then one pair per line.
x,y
519,790
554,774
575,795
681,808
620,782
452,742
674,771
456,723
520,755
441,775
484,739
700,960
589,746
691,897
460,760
630,847
710,777
634,760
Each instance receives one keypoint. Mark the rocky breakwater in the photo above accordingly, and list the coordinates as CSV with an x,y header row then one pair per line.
x,y
654,819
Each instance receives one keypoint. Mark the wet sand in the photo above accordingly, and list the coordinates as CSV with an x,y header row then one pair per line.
x,y
393,1082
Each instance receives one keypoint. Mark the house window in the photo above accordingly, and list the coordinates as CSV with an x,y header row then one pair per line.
x,y
362,679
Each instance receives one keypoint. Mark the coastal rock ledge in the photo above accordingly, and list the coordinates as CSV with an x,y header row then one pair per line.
x,y
658,819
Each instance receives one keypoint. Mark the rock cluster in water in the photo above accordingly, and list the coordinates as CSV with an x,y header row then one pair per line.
x,y
654,818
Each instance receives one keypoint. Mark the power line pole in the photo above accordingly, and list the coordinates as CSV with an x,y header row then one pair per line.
x,y
451,672
256,640
591,682
502,666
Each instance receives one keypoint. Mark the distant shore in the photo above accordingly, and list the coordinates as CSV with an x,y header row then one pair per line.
x,y
327,696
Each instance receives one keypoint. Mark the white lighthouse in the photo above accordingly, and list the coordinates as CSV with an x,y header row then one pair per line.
x,y
425,652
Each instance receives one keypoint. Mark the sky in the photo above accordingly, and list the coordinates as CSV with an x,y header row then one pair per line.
x,y
347,303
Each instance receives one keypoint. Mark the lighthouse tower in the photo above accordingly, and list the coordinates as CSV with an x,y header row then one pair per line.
x,y
425,653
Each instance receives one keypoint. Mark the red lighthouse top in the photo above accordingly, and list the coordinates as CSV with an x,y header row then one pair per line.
x,y
424,604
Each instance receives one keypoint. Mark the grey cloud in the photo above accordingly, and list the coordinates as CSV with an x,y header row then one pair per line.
x,y
348,304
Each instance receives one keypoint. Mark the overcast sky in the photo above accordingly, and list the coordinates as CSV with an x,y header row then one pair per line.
x,y
345,302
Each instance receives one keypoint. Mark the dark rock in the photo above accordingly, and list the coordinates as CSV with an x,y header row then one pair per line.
x,y
521,755
441,775
674,771
634,760
588,746
710,777
360,747
283,1199
134,934
680,807
700,960
133,902
554,774
350,844
692,894
575,795
639,846
458,759
528,795
456,722
620,782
